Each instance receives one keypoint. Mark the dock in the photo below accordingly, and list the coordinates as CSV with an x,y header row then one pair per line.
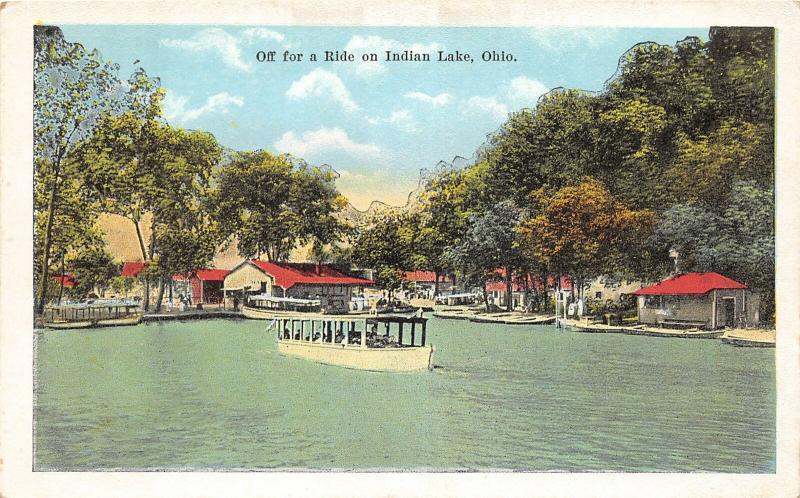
x,y
191,315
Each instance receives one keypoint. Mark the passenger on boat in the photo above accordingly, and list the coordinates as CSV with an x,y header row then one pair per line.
x,y
316,336
286,333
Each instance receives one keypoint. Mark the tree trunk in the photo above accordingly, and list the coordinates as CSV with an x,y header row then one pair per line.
x,y
435,284
48,237
149,257
509,290
61,287
161,285
141,239
485,296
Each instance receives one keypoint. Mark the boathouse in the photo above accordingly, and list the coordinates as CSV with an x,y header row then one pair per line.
x,y
705,300
522,285
292,280
203,286
423,283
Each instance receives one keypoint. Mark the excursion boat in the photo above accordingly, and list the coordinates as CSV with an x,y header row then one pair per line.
x,y
266,307
89,315
364,343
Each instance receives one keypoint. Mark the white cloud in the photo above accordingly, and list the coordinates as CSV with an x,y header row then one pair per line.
x,y
525,90
225,45
253,34
360,45
486,106
322,83
436,101
176,112
561,38
402,120
345,174
322,141
214,40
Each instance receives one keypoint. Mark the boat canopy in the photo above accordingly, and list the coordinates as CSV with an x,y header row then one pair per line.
x,y
109,303
285,300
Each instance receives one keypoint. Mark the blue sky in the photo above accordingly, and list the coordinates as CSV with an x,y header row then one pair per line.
x,y
377,124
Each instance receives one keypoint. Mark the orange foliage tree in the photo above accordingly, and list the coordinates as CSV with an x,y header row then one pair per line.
x,y
582,231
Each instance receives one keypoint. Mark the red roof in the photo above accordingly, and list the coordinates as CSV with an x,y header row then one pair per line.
x,y
424,276
287,275
518,282
132,268
67,280
208,275
690,283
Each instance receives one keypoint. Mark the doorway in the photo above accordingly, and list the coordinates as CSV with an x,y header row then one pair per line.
x,y
729,305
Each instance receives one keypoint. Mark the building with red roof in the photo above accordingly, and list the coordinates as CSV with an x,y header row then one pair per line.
x,y
204,285
424,283
699,299
292,280
520,286
67,280
132,269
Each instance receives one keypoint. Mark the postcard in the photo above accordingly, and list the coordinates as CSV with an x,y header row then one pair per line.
x,y
428,258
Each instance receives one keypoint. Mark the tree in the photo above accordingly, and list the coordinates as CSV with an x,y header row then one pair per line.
x,y
93,269
583,232
550,145
272,204
72,87
144,169
386,245
490,243
738,241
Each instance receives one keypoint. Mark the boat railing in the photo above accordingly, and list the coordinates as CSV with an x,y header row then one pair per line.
x,y
89,312
361,332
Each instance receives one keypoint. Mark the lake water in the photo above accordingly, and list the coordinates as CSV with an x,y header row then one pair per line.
x,y
216,395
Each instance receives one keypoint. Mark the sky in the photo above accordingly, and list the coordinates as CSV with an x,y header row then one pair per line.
x,y
378,124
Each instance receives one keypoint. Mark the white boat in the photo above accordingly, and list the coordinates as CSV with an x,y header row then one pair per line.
x,y
266,307
93,314
364,343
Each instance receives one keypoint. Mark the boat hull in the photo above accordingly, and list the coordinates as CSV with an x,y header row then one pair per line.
x,y
687,334
747,343
266,314
407,359
107,322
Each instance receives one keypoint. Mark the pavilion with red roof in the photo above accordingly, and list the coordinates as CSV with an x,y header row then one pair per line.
x,y
292,280
205,285
699,299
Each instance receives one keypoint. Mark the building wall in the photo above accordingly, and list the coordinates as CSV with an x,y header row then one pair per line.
x,y
700,308
248,276
609,291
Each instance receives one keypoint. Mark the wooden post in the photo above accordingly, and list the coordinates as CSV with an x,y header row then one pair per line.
x,y
714,310
423,332
400,334
363,337
412,337
400,331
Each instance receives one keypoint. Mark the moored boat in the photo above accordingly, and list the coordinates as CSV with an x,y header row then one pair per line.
x,y
683,333
92,314
590,327
358,342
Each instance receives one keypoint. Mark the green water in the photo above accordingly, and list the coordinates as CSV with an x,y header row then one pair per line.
x,y
216,394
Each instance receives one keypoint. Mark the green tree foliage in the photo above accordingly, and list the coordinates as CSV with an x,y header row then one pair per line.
x,y
142,167
94,269
272,204
738,241
386,245
550,145
72,88
489,244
